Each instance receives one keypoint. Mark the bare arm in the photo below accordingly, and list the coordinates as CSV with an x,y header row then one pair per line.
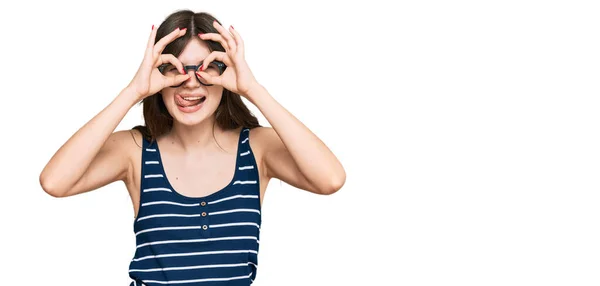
x,y
292,152
289,151
95,156
89,152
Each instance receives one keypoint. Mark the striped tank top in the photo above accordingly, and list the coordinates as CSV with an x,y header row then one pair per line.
x,y
210,240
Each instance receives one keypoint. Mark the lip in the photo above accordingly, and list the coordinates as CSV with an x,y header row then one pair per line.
x,y
182,95
190,109
179,97
190,94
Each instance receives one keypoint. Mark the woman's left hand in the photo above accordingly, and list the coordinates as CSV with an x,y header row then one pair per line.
x,y
237,76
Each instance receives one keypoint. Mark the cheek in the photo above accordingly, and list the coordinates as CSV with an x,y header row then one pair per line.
x,y
167,96
216,93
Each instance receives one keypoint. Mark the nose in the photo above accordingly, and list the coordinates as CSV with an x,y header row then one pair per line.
x,y
193,81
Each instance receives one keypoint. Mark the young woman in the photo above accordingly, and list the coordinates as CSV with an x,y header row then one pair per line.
x,y
198,170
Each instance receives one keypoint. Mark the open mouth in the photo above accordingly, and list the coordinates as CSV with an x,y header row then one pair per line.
x,y
187,101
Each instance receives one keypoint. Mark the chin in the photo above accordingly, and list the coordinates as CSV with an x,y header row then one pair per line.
x,y
189,120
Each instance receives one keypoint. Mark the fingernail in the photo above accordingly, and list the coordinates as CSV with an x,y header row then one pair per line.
x,y
152,27
198,74
184,29
232,27
200,34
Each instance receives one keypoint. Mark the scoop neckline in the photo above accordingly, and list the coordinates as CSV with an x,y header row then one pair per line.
x,y
174,191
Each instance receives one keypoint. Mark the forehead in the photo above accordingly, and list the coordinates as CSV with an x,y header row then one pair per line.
x,y
194,52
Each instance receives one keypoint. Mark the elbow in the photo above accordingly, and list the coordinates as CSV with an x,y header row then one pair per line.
x,y
335,183
50,188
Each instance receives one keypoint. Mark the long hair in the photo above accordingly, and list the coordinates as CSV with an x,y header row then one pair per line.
x,y
231,112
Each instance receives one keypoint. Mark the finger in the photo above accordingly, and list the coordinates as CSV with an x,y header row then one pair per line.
x,y
216,38
162,43
219,56
226,35
177,79
152,38
148,59
209,79
170,58
238,39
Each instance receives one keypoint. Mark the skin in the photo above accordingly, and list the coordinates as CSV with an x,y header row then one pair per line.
x,y
195,165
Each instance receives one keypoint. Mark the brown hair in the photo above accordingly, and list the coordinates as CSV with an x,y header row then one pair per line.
x,y
231,112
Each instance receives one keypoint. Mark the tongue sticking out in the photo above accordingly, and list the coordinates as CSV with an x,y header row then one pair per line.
x,y
182,102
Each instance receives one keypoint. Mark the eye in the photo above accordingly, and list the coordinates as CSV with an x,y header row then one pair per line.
x,y
169,69
212,69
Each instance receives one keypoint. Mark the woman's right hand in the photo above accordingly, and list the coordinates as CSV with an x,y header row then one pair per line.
x,y
148,80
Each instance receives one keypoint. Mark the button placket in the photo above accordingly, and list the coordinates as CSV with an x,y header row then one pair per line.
x,y
204,231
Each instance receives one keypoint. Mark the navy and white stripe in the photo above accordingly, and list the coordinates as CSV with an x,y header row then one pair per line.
x,y
211,240
153,176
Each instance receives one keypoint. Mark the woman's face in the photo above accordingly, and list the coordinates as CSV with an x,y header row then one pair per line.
x,y
192,102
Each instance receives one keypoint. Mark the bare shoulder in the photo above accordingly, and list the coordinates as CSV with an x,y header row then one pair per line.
x,y
133,138
262,136
261,139
264,139
261,142
126,141
130,143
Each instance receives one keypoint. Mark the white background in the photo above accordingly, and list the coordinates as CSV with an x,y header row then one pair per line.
x,y
468,131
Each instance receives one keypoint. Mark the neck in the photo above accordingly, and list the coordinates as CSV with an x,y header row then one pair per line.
x,y
197,137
